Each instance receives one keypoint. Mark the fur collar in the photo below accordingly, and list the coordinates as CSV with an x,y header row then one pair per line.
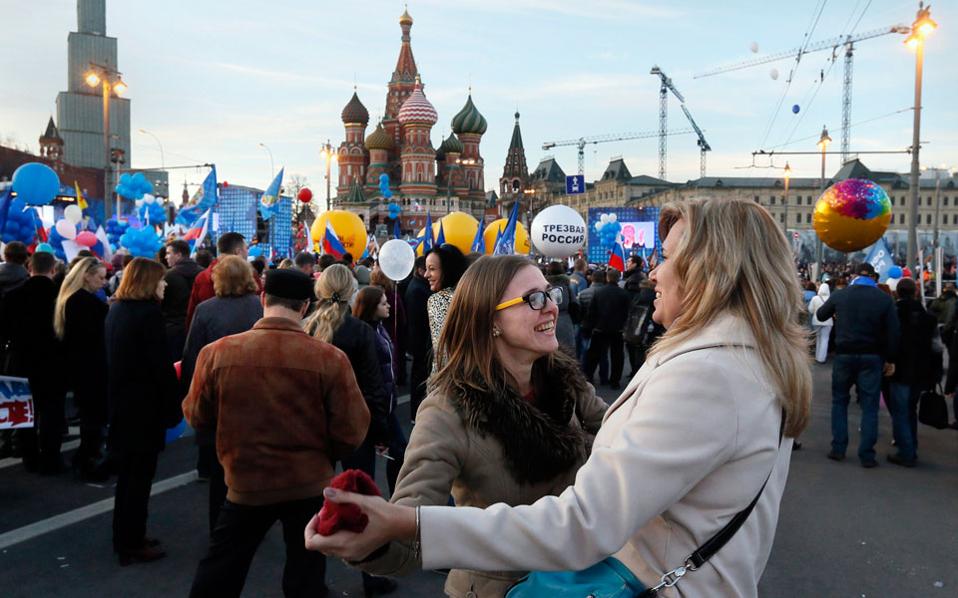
x,y
539,441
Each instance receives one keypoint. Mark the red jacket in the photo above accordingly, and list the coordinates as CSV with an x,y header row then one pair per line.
x,y
285,407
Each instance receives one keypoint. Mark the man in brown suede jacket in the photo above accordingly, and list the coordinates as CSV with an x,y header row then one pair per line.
x,y
286,406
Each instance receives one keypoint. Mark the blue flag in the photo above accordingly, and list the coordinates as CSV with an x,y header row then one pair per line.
x,y
5,201
427,241
506,244
880,259
441,239
269,202
479,243
397,234
205,198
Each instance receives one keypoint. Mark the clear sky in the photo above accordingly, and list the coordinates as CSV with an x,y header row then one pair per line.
x,y
213,79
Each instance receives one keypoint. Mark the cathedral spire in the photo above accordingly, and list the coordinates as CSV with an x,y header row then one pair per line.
x,y
406,64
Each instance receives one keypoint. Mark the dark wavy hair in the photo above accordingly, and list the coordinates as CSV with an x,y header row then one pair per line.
x,y
452,262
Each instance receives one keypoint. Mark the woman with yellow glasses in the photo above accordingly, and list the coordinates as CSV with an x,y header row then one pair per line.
x,y
508,417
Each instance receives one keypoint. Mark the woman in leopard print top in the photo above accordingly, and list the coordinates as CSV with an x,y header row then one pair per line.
x,y
445,265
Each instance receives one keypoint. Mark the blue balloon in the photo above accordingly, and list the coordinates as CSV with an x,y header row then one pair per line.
x,y
895,272
176,431
36,183
125,178
795,109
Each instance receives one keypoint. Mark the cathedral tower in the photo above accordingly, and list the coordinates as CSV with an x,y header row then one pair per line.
x,y
352,153
417,116
469,126
515,174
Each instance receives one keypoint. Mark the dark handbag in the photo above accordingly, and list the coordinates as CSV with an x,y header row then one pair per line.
x,y
635,325
610,578
932,409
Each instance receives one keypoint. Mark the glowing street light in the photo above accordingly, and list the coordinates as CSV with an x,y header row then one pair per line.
x,y
109,80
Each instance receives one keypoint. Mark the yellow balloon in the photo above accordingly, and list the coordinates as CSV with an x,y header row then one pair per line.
x,y
349,229
521,240
458,228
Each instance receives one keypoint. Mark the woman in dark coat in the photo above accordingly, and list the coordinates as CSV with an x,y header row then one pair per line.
x,y
143,402
78,320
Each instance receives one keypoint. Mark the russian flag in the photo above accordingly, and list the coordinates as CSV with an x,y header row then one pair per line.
x,y
197,234
617,256
332,244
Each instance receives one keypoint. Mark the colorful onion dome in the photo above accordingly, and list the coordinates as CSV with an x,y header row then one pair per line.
x,y
379,139
469,120
417,109
451,145
355,112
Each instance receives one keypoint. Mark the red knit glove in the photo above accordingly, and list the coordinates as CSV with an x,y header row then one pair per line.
x,y
335,517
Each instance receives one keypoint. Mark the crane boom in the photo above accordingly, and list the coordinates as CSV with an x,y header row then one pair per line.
x,y
581,142
702,143
826,44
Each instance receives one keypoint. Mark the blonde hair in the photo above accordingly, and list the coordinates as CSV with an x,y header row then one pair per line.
x,y
233,277
333,289
74,281
734,258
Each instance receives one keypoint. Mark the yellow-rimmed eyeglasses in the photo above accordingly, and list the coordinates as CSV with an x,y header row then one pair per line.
x,y
535,299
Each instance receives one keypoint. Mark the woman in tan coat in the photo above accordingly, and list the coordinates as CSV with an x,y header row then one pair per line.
x,y
508,418
691,442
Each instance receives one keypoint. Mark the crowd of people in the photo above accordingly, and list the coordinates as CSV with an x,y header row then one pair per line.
x,y
287,371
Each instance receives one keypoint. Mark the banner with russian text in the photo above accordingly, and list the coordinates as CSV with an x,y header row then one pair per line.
x,y
16,403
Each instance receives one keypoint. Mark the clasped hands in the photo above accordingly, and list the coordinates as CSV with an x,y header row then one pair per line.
x,y
387,523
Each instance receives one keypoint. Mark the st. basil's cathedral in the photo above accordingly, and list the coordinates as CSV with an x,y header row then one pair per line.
x,y
421,178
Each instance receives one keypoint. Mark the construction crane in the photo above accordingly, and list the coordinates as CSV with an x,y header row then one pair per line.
x,y
581,142
664,90
846,41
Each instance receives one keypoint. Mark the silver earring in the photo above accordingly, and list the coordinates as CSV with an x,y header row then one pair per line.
x,y
496,332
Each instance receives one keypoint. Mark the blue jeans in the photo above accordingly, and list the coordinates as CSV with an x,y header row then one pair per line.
x,y
899,406
865,372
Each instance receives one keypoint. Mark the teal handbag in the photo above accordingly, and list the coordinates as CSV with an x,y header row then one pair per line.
x,y
608,578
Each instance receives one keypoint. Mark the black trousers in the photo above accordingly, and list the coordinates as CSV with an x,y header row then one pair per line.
x,y
93,414
41,444
238,533
421,368
602,342
217,480
135,471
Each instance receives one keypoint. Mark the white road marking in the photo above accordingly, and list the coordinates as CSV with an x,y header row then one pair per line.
x,y
28,532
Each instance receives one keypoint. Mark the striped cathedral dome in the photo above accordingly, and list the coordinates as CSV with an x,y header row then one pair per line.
x,y
355,112
417,109
451,145
469,120
379,139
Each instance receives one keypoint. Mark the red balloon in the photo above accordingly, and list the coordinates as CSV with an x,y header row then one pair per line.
x,y
226,184
305,195
86,239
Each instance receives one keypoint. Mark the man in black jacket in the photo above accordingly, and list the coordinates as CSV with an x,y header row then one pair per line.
x,y
28,319
866,344
914,371
179,284
420,339
604,321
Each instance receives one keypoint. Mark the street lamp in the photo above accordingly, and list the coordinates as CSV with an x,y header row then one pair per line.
x,y
788,176
329,155
272,169
109,80
157,139
823,142
923,26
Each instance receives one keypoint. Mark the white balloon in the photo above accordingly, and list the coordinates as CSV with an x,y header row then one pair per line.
x,y
754,47
147,198
73,213
558,231
396,259
67,229
603,218
613,217
598,226
773,74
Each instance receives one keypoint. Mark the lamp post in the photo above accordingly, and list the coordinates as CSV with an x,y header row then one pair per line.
x,y
110,81
272,168
823,142
788,176
327,151
157,139
920,29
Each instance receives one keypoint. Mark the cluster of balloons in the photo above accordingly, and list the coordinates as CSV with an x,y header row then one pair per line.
x,y
608,228
150,209
394,210
21,223
35,183
384,186
134,186
115,230
141,242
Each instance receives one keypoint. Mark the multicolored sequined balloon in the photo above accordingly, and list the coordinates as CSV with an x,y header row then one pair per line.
x,y
852,214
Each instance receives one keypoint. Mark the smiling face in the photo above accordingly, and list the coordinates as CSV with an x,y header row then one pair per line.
x,y
668,287
434,272
527,334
